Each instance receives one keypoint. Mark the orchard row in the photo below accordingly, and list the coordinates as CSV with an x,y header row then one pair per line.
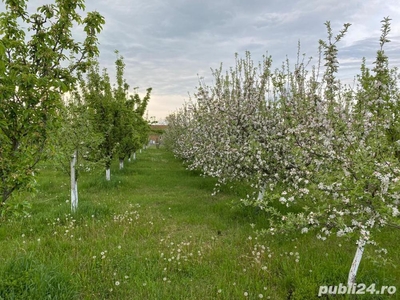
x,y
320,155
42,60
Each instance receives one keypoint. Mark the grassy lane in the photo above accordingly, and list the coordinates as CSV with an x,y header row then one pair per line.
x,y
155,232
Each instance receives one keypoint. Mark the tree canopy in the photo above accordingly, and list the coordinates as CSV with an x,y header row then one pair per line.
x,y
39,57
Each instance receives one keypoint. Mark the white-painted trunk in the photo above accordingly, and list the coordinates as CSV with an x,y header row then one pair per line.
x,y
356,262
140,150
134,156
33,174
74,183
108,174
76,193
121,164
261,193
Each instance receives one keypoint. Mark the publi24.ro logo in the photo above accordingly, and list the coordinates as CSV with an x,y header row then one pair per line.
x,y
356,289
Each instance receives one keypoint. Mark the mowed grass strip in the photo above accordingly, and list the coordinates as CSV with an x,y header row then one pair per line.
x,y
155,232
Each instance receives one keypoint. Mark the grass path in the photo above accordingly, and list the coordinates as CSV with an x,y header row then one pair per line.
x,y
155,232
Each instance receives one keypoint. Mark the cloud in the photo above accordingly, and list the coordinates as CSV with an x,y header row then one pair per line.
x,y
167,45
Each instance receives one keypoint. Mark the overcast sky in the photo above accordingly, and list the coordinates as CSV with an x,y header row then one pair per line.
x,y
167,44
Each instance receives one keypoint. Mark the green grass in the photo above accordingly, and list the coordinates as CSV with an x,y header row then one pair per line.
x,y
155,232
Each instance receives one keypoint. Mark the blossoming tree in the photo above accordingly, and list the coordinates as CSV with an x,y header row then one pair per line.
x,y
307,142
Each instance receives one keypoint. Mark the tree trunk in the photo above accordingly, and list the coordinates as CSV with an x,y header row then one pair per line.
x,y
261,193
356,262
121,164
108,174
74,183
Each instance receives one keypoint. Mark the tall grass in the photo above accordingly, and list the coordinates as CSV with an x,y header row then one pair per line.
x,y
155,232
